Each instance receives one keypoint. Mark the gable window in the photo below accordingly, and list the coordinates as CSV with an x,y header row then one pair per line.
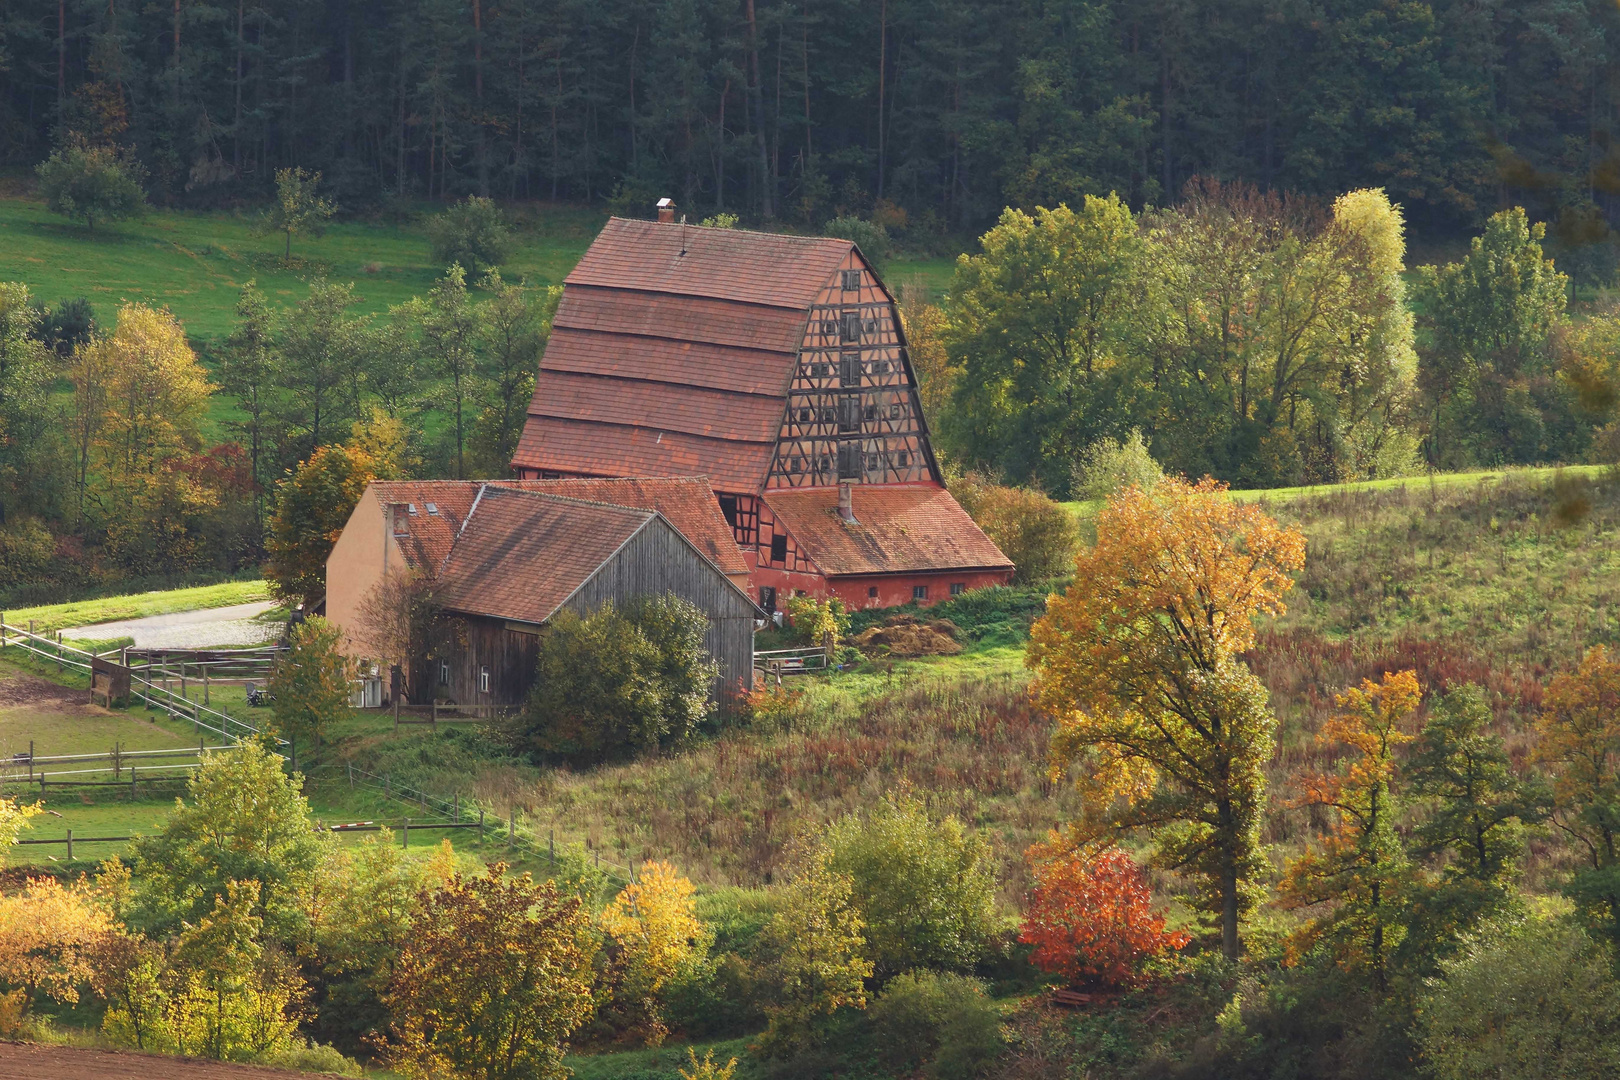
x,y
852,280
849,326
958,588
728,508
849,413
483,680
849,369
849,461
805,416
919,592
872,461
903,459
827,415
444,673
779,549
871,412
894,411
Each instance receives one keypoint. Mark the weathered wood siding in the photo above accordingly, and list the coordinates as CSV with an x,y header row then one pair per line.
x,y
657,560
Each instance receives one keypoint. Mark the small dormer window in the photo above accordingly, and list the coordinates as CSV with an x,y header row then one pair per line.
x,y
433,508
852,280
412,508
401,521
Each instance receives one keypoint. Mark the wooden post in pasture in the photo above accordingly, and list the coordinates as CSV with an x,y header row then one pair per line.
x,y
59,653
405,833
455,807
551,845
117,759
132,782
511,827
350,765
70,845
183,691
205,683
480,826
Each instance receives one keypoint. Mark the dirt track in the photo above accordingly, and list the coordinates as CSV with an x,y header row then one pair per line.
x,y
30,1061
19,688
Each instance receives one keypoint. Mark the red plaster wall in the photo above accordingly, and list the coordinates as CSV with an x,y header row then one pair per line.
x,y
895,589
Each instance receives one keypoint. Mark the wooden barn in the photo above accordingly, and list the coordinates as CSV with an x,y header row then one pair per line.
x,y
504,558
776,367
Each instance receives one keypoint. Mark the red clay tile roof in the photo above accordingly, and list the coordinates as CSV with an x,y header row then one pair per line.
x,y
431,534
687,502
726,264
661,315
576,446
694,410
522,554
897,530
672,352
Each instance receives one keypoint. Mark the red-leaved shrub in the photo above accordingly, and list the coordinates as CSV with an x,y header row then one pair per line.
x,y
1091,917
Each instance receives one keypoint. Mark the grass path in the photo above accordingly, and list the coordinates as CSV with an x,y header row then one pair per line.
x,y
53,617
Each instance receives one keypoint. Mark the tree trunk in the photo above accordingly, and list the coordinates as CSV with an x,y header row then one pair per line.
x,y
756,102
1229,912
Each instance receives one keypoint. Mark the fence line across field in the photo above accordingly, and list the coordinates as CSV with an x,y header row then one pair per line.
x,y
360,778
155,697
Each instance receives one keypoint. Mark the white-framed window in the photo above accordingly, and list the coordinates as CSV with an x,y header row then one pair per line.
x,y
919,592
444,673
483,680
958,588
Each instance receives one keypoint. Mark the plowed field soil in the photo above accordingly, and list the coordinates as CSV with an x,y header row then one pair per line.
x,y
30,1061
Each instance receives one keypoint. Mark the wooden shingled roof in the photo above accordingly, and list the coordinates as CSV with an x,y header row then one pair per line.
x,y
673,350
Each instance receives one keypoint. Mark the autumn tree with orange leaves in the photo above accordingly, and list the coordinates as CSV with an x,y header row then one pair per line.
x,y
1159,719
1580,739
1360,868
1091,916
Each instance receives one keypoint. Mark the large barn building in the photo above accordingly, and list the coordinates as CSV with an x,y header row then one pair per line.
x,y
775,366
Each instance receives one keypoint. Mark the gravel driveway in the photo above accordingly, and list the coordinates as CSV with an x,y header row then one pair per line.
x,y
213,628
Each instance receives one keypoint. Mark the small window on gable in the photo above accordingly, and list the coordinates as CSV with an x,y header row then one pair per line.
x,y
894,411
779,549
849,369
903,459
871,412
849,329
483,680
852,280
444,673
728,509
958,588
827,415
919,592
805,416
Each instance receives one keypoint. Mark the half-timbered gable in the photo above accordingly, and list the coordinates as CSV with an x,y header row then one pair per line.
x,y
765,363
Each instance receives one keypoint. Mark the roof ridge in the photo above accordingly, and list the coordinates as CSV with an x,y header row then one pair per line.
x,y
742,232
562,499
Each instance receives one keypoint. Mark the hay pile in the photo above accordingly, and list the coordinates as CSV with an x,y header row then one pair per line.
x,y
908,636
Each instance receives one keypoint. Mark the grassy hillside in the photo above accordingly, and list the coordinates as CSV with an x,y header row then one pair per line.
x,y
195,262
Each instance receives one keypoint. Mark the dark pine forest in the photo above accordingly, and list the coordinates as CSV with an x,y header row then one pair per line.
x,y
943,109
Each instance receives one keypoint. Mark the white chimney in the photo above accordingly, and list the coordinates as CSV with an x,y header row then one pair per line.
x,y
846,502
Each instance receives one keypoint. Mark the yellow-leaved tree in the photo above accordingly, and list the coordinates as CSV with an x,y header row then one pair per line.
x,y
1159,718
1361,866
1580,739
153,395
656,932
47,936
